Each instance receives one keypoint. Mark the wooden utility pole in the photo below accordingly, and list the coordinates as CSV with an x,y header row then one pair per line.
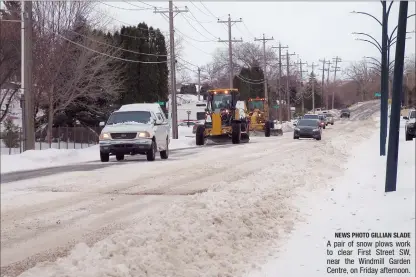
x,y
323,81
230,46
279,80
301,84
336,68
327,85
174,107
264,40
26,77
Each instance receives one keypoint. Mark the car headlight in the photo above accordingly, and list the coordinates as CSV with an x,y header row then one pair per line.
x,y
315,130
105,136
297,129
143,134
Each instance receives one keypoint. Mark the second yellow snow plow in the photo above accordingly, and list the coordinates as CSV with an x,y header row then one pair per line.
x,y
258,112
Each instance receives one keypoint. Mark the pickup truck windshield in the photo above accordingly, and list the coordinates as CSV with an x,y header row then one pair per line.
x,y
133,116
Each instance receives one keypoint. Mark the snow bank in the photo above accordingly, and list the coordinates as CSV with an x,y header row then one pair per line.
x,y
355,202
226,231
36,159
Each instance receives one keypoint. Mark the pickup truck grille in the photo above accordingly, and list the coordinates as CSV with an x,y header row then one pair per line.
x,y
123,135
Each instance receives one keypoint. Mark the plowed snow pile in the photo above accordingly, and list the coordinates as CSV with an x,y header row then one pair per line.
x,y
223,232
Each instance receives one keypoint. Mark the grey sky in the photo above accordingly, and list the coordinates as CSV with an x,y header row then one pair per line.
x,y
314,30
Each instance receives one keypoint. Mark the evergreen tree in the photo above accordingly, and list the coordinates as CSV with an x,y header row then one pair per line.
x,y
308,92
247,80
10,134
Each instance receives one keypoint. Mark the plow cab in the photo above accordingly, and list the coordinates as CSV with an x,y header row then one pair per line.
x,y
222,119
258,112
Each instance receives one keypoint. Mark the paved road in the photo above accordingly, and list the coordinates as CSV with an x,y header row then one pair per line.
x,y
363,112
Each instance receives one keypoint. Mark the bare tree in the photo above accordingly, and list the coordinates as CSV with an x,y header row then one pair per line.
x,y
73,66
9,57
364,77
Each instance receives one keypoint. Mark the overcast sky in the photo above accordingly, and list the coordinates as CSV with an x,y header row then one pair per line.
x,y
313,30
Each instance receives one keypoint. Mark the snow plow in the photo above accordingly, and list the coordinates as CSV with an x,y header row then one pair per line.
x,y
223,121
258,112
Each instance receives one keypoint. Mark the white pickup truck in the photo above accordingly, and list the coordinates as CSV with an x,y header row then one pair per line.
x,y
135,129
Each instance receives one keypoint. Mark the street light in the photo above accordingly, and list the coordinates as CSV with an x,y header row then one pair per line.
x,y
384,48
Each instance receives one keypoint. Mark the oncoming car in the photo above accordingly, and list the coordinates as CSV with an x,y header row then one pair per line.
x,y
308,128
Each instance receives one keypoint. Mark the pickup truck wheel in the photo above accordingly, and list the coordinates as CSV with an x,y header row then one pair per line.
x,y
151,154
408,137
104,157
165,153
120,157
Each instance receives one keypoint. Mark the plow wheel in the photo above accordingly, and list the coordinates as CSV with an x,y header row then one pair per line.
x,y
199,135
267,129
236,133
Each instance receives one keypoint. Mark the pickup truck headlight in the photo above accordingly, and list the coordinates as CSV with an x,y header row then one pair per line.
x,y
105,136
411,125
297,129
143,134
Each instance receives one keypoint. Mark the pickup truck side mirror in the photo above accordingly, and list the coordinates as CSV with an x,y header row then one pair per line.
x,y
158,122
405,118
102,124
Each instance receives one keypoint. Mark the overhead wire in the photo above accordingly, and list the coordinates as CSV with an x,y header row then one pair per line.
x,y
118,48
126,9
104,54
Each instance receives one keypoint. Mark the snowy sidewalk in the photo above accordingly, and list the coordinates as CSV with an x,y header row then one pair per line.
x,y
354,203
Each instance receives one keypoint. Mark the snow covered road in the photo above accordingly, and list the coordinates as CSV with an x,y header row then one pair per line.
x,y
150,219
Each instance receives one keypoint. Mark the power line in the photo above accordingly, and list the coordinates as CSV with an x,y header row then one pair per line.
x,y
104,54
115,47
126,9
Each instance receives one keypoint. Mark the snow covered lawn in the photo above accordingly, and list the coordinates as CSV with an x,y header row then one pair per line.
x,y
36,159
232,228
355,202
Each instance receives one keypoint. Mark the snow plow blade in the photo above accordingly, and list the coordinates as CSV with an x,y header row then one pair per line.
x,y
273,133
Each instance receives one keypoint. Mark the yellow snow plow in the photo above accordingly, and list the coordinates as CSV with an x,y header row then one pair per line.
x,y
258,112
222,120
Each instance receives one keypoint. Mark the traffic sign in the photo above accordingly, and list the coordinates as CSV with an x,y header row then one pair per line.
x,y
162,103
377,94
276,106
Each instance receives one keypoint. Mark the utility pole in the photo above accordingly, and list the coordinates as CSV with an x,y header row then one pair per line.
x,y
287,83
313,87
174,108
336,68
279,79
26,77
323,80
264,40
301,82
199,84
230,45
327,85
